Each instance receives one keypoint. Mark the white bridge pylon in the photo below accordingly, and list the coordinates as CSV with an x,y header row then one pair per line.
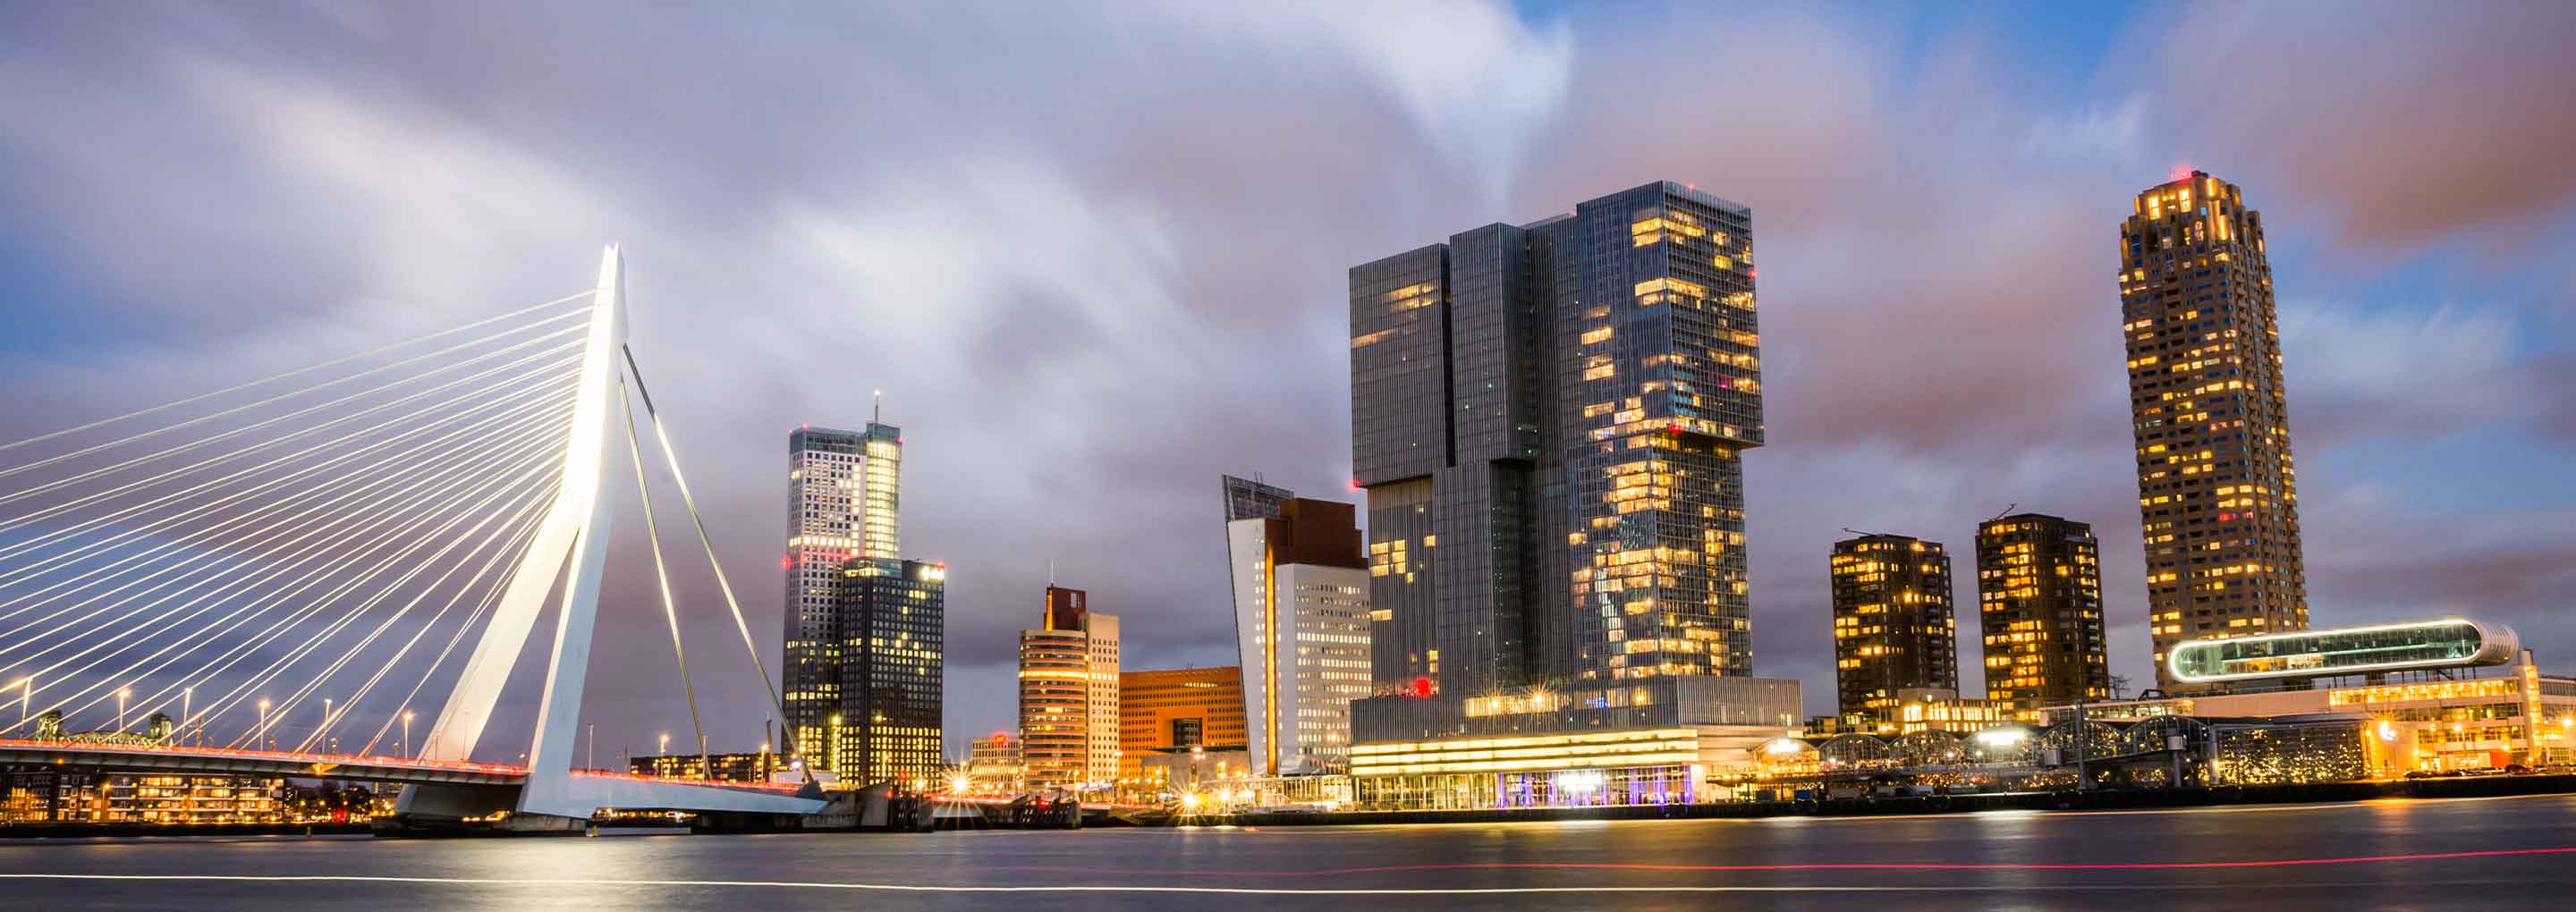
x,y
571,547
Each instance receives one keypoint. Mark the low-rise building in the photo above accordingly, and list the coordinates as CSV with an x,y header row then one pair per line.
x,y
744,767
1640,741
54,795
2430,695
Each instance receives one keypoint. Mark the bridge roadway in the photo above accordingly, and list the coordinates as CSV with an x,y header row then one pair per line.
x,y
614,789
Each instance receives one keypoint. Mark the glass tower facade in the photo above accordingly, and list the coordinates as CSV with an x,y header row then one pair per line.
x,y
1894,626
842,504
2217,493
2039,604
1548,421
892,621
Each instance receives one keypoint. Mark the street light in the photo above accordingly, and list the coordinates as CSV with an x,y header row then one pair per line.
x,y
406,744
121,694
324,736
187,709
666,745
259,741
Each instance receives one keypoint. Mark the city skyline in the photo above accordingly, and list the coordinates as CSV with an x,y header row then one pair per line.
x,y
1073,394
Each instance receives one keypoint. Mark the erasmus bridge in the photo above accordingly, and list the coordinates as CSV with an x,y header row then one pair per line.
x,y
280,577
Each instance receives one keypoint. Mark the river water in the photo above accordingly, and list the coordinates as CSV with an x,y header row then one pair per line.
x,y
2502,853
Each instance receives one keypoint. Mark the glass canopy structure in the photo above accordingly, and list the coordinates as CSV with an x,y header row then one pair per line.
x,y
2445,643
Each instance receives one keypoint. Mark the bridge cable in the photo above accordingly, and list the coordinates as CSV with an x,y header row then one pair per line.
x,y
491,596
103,422
533,507
419,491
211,548
371,514
16,496
672,459
238,409
390,521
368,433
84,501
529,519
662,575
278,666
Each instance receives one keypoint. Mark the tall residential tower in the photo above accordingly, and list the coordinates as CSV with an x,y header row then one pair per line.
x,y
1548,421
2039,602
1894,627
2217,494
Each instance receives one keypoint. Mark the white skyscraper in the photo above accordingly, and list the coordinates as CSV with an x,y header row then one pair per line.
x,y
1301,621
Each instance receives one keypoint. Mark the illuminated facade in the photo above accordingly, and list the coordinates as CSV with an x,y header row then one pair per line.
x,y
2217,492
1301,621
1650,741
54,795
1069,695
892,621
750,767
2039,600
1548,421
993,765
1893,625
2417,714
843,494
1177,709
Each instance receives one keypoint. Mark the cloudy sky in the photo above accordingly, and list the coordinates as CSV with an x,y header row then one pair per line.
x,y
1095,258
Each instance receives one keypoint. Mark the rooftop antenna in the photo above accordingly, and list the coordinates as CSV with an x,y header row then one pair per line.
x,y
876,415
2008,508
1050,572
1868,534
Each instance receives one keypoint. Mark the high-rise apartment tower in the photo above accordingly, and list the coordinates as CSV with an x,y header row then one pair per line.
x,y
2217,494
1894,630
2039,604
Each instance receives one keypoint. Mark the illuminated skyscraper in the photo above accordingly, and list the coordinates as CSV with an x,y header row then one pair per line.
x,y
1301,623
1548,421
892,625
842,504
1894,630
2217,493
1069,694
2039,602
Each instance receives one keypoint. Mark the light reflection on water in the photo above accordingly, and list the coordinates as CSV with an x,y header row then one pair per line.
x,y
1518,855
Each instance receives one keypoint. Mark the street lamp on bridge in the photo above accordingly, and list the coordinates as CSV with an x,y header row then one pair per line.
x,y
187,710
121,694
259,738
406,742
